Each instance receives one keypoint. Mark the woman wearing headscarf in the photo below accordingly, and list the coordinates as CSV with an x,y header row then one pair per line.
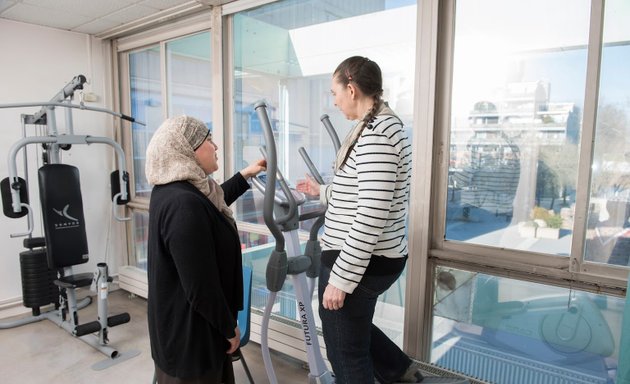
x,y
194,256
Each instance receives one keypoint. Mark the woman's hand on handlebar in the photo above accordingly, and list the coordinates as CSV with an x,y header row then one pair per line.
x,y
235,341
254,168
308,187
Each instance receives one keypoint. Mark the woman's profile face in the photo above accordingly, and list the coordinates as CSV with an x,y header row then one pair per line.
x,y
343,99
206,156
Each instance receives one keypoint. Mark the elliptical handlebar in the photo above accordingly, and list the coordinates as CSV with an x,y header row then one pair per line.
x,y
311,166
272,172
331,132
292,262
289,200
319,215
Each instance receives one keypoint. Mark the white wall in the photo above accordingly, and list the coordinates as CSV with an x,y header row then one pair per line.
x,y
36,63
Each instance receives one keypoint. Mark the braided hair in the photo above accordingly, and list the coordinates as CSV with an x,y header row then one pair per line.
x,y
366,75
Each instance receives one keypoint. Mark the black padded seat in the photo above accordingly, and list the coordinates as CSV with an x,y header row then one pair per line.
x,y
75,281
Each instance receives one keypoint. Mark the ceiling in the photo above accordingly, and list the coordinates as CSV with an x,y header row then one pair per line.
x,y
100,18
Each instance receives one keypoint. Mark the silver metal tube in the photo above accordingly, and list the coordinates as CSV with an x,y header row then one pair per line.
x,y
102,291
51,121
121,161
89,339
67,91
69,122
13,178
69,105
316,363
29,221
57,140
264,339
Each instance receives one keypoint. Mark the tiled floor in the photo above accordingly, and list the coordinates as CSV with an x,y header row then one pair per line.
x,y
41,352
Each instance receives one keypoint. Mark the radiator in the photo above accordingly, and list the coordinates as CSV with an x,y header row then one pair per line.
x,y
496,366
134,280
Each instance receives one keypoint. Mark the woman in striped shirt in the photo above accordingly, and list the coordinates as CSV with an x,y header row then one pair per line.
x,y
364,242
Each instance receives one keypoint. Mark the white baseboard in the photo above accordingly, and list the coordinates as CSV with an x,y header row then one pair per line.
x,y
12,307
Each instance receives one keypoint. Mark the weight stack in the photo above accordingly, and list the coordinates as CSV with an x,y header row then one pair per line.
x,y
38,288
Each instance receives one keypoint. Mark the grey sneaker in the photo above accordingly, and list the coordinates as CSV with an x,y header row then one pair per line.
x,y
412,377
412,374
435,380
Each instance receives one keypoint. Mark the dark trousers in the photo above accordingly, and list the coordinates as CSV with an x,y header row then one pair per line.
x,y
357,350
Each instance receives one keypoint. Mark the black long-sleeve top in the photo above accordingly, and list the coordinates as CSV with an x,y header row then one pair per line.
x,y
195,278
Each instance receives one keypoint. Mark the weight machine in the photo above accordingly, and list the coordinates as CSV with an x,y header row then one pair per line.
x,y
46,267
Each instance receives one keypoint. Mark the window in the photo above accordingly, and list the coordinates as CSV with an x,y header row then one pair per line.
x,y
146,106
184,87
188,81
285,53
140,222
189,77
531,198
517,97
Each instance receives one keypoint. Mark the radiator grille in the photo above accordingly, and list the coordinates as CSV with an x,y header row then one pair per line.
x,y
500,367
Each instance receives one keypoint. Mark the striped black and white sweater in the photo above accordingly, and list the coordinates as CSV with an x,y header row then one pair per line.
x,y
367,201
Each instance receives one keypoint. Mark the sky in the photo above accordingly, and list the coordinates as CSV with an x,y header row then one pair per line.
x,y
548,38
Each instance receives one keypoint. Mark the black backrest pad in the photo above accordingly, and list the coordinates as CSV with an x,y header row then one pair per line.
x,y
62,210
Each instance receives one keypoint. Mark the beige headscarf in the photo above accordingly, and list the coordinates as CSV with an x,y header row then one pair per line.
x,y
171,157
350,140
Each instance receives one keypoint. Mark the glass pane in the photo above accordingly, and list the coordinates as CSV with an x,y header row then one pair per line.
x,y
189,77
256,258
188,85
506,331
140,225
146,106
608,235
285,53
518,93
